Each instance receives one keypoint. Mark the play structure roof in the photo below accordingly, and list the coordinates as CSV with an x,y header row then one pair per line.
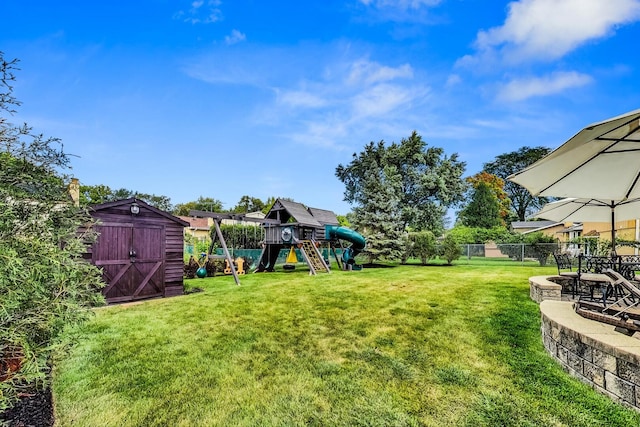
x,y
284,210
287,211
324,216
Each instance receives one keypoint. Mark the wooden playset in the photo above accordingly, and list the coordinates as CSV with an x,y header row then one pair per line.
x,y
291,225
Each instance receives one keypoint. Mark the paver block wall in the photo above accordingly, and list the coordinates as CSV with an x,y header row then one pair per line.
x,y
541,288
593,352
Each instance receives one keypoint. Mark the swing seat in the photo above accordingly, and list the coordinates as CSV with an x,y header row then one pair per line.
x,y
288,267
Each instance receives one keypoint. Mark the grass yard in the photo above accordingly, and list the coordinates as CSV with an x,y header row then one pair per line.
x,y
402,346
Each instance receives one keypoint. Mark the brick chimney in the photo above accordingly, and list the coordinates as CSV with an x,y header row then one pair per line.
x,y
74,191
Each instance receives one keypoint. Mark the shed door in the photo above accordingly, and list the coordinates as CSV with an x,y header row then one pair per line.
x,y
132,259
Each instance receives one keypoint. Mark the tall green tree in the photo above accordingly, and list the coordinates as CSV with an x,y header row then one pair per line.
x,y
248,204
483,210
522,202
45,284
157,201
378,217
208,204
429,181
268,204
496,184
97,194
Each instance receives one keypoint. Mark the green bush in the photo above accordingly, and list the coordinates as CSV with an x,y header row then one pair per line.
x,y
45,284
44,281
451,250
424,245
536,245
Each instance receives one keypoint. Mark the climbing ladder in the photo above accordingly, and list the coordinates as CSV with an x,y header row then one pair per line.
x,y
313,257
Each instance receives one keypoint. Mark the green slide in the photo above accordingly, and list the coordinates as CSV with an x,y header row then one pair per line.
x,y
357,241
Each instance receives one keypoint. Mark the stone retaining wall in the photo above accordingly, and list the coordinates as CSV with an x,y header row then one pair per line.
x,y
541,288
593,352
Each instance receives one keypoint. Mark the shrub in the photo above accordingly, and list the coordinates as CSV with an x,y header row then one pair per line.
x,y
450,249
45,284
424,245
190,268
541,246
536,245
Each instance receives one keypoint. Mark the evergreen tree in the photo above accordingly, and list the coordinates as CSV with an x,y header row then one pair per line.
x,y
496,184
483,210
378,217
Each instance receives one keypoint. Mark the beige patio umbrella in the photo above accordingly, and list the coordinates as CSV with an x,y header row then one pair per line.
x,y
591,210
602,161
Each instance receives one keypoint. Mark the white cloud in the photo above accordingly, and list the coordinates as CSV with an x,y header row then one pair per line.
x,y
549,29
300,98
400,4
524,88
368,72
235,37
351,99
401,11
201,12
453,80
380,100
321,133
318,97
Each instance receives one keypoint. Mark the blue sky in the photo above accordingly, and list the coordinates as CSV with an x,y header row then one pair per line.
x,y
220,98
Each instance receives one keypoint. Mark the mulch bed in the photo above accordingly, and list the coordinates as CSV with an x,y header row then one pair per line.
x,y
33,410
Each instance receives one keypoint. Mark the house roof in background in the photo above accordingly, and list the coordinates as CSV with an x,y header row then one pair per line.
x,y
196,223
575,227
532,224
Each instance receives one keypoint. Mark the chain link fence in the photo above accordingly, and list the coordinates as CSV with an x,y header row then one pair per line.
x,y
518,252
513,253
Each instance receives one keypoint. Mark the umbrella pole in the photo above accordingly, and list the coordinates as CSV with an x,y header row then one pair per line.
x,y
613,229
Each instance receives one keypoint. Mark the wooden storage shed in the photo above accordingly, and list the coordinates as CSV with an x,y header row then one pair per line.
x,y
139,249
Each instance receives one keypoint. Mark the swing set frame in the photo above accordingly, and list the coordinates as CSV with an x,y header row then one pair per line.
x,y
217,220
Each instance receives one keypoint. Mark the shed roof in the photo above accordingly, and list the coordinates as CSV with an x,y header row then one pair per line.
x,y
141,203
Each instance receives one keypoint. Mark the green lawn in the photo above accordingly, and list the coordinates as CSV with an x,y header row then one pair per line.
x,y
409,345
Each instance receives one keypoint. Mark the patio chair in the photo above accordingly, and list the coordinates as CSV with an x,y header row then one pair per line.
x,y
623,289
621,311
565,269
